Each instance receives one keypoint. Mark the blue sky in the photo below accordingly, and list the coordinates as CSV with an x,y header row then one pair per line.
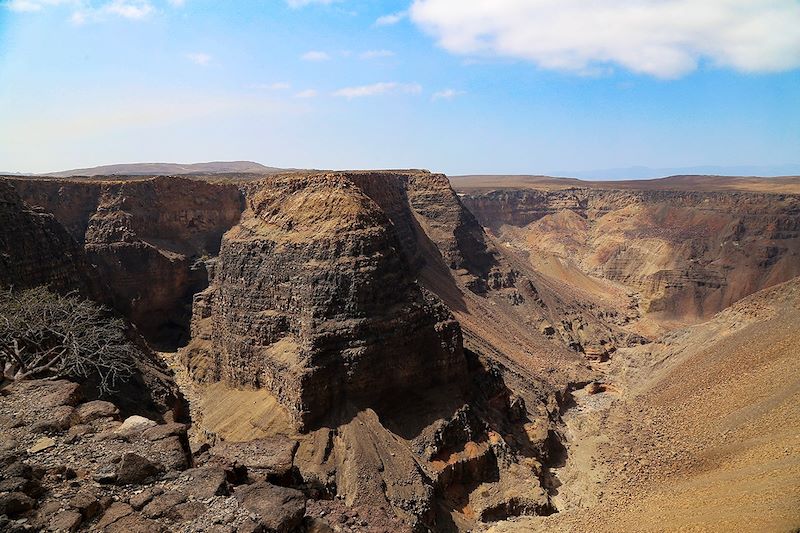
x,y
459,86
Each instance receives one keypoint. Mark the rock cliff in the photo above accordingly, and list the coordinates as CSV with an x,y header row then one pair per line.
x,y
687,254
36,250
313,299
148,239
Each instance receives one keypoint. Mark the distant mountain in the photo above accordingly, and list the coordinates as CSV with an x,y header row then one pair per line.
x,y
639,172
155,169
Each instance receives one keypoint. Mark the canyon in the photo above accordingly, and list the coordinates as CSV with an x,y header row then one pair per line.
x,y
400,351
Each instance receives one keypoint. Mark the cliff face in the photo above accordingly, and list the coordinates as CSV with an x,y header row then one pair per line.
x,y
328,298
314,300
147,237
688,254
36,250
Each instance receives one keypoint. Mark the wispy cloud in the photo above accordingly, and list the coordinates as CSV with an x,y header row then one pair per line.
x,y
31,6
391,19
200,58
375,54
315,55
129,9
83,11
378,89
308,93
664,39
446,94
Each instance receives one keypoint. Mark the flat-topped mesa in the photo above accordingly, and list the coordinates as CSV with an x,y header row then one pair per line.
x,y
314,300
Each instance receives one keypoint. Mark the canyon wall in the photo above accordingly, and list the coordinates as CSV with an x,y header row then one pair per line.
x,y
148,239
688,254
313,299
36,250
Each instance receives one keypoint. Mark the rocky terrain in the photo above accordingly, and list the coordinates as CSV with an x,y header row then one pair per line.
x,y
696,432
359,351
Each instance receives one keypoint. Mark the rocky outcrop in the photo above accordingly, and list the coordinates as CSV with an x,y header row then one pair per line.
x,y
314,300
148,238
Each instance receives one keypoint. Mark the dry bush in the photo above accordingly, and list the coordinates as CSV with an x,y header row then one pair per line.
x,y
48,335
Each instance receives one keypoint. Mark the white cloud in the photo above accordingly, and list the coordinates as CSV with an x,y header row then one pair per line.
x,y
375,54
379,88
389,20
129,9
31,6
177,3
664,38
308,93
315,55
200,58
446,94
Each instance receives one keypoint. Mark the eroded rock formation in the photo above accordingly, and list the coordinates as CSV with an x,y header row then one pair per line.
x,y
688,254
148,239
36,250
313,299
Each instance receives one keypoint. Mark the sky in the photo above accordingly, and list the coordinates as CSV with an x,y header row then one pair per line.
x,y
457,86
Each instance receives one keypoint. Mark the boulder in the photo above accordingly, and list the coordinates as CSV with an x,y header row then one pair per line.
x,y
280,509
116,511
61,392
173,453
58,420
66,521
87,504
41,445
163,504
138,501
162,431
133,426
15,503
93,410
270,458
135,523
207,482
31,487
134,469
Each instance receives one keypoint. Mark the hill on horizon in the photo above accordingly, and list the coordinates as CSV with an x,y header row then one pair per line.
x,y
149,169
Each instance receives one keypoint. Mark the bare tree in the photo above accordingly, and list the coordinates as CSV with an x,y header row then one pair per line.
x,y
48,335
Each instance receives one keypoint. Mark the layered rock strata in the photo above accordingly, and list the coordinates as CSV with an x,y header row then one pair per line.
x,y
688,254
314,300
148,238
36,250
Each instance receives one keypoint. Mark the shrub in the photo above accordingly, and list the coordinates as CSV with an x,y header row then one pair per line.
x,y
48,335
